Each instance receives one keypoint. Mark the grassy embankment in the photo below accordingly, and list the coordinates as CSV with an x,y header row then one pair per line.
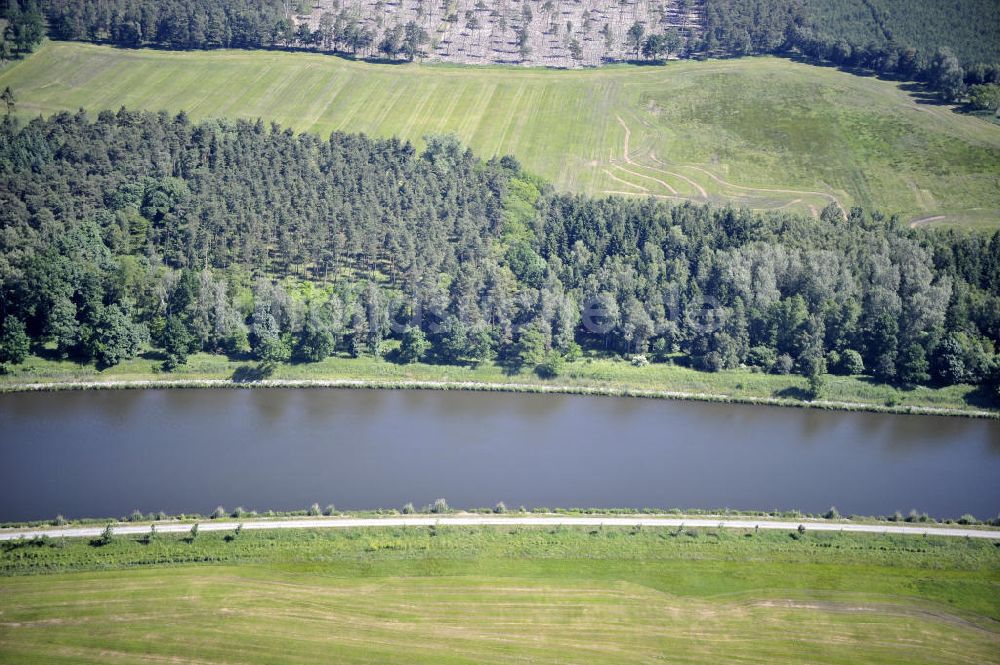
x,y
600,375
498,595
763,132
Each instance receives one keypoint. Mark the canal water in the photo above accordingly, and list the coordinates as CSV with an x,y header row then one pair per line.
x,y
106,453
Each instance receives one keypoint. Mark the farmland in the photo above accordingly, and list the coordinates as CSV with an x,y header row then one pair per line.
x,y
787,135
504,595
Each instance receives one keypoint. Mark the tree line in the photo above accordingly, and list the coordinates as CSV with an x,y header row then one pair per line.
x,y
745,27
970,28
132,230
179,24
24,28
207,24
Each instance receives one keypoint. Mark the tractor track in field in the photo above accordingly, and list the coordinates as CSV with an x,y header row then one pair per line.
x,y
647,177
626,182
701,190
924,221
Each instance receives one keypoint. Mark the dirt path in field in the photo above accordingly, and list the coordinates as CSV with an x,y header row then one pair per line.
x,y
618,192
625,182
647,177
830,197
498,520
789,204
701,190
924,221
628,137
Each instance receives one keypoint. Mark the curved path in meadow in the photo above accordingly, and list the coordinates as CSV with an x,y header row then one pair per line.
x,y
924,221
701,190
496,520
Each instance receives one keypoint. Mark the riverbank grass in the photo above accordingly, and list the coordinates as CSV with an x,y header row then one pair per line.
x,y
502,595
602,374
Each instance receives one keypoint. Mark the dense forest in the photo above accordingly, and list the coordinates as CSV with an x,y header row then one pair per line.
x,y
970,28
135,229
23,28
185,24
950,47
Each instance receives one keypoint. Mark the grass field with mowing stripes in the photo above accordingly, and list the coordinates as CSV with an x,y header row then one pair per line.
x,y
504,595
762,132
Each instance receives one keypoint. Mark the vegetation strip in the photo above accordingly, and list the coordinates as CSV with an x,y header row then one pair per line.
x,y
349,523
790,126
488,387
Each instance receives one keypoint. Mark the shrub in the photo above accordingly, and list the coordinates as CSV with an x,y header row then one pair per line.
x,y
14,342
408,509
440,506
710,362
783,364
59,521
832,514
108,535
329,510
551,366
660,350
135,516
851,363
218,513
239,512
816,384
763,357
968,519
314,510
500,508
985,97
414,345
801,529
193,533
639,361
572,352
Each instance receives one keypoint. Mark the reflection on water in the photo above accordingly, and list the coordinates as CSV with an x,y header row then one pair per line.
x,y
108,452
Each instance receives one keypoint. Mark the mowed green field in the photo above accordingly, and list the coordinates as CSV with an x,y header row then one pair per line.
x,y
763,132
497,595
